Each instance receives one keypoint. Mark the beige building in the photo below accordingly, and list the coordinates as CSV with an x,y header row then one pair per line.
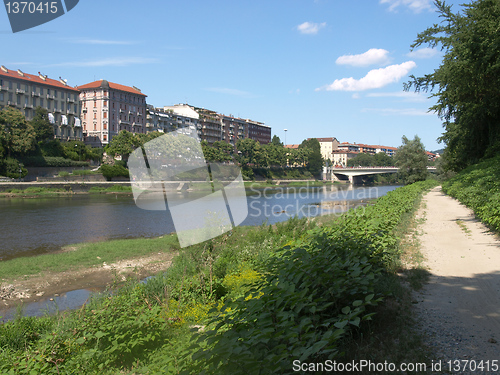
x,y
25,92
108,108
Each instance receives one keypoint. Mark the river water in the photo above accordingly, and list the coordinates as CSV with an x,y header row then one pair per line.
x,y
42,225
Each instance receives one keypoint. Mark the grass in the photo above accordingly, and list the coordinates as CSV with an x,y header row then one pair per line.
x,y
464,228
86,255
147,328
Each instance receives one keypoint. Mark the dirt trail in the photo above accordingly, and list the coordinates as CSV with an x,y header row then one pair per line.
x,y
459,309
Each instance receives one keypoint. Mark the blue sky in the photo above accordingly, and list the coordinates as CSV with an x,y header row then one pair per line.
x,y
318,68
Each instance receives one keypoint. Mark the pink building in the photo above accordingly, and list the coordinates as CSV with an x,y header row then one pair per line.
x,y
109,107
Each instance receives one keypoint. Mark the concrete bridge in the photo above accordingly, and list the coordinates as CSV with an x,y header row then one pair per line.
x,y
350,173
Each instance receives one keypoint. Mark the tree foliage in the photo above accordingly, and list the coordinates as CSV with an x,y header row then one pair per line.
x,y
380,159
315,160
467,82
411,159
17,136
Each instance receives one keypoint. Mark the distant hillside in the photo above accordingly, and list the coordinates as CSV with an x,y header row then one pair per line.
x,y
440,152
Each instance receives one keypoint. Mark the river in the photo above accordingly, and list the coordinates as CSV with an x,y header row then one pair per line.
x,y
43,225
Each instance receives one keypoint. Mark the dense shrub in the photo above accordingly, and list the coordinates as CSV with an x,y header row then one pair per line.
x,y
110,171
9,167
51,161
478,187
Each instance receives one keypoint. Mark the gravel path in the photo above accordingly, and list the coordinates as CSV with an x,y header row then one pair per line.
x,y
459,309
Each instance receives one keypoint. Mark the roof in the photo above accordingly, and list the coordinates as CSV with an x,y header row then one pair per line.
x,y
292,146
102,83
328,139
39,79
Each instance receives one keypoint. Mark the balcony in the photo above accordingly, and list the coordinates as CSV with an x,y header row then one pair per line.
x,y
34,93
57,110
52,97
84,110
69,100
28,106
19,91
124,122
12,104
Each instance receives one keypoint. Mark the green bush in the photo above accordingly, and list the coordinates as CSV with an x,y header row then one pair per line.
x,y
478,187
10,168
110,171
315,291
51,161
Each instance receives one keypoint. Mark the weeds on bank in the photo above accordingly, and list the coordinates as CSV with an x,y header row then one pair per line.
x,y
250,301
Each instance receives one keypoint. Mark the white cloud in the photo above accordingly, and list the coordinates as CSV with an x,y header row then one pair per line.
x,y
310,27
407,96
111,61
375,78
228,91
416,6
356,96
423,53
370,57
399,111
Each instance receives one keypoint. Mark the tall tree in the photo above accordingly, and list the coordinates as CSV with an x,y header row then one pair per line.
x,y
314,158
411,159
467,81
17,136
44,130
123,144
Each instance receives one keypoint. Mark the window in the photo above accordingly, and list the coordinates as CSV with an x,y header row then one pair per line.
x,y
10,97
26,100
105,137
10,85
18,86
41,102
1,97
55,106
55,93
48,105
75,108
105,114
105,126
19,99
95,103
62,95
84,116
95,126
62,106
105,103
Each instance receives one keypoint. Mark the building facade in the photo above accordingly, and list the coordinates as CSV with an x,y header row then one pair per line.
x,y
107,108
327,146
25,92
259,132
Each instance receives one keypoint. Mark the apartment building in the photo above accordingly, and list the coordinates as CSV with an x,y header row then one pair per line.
x,y
259,132
107,108
327,146
25,92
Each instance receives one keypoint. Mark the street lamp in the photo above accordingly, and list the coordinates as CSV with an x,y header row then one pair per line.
x,y
20,172
285,135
